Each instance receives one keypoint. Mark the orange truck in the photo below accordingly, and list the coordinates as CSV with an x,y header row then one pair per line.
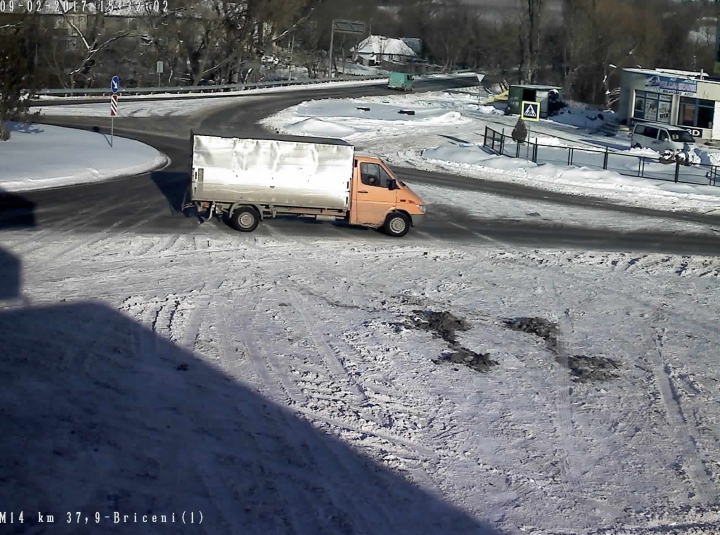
x,y
246,180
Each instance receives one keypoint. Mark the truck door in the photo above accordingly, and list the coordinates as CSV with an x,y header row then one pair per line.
x,y
373,196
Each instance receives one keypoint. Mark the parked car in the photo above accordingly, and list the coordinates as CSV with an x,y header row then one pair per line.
x,y
661,137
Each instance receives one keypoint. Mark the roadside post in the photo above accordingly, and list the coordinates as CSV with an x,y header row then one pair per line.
x,y
114,87
351,27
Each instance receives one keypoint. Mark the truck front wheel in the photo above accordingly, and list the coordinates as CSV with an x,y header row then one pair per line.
x,y
397,224
245,219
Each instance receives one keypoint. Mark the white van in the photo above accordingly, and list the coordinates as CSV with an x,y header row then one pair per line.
x,y
660,137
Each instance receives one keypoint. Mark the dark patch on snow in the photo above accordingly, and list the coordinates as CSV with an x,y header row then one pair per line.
x,y
182,368
545,329
444,325
590,369
480,362
583,368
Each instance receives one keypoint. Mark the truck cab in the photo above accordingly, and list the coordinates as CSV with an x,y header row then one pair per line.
x,y
378,199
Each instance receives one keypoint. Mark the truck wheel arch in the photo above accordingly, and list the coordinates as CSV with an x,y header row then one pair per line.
x,y
393,215
395,210
241,204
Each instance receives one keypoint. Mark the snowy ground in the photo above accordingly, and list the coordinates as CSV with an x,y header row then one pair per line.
x,y
41,156
287,385
447,131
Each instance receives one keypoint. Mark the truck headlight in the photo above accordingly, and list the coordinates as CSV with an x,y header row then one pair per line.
x,y
421,207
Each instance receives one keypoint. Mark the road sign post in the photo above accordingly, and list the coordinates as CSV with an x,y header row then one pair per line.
x,y
530,111
114,87
352,27
113,113
160,68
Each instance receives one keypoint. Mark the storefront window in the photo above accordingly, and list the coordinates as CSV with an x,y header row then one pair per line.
x,y
696,112
652,106
639,111
651,109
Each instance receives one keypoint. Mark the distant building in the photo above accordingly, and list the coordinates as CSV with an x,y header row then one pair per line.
x,y
376,49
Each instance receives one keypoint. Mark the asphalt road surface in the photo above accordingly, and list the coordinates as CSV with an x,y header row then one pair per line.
x,y
128,203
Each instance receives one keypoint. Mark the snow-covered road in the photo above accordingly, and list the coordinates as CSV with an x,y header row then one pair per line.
x,y
328,386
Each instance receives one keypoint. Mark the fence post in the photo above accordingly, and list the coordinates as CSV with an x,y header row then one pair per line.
x,y
605,161
517,150
677,170
535,151
640,161
569,159
502,143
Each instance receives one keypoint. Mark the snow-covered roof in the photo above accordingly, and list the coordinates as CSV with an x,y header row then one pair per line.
x,y
377,44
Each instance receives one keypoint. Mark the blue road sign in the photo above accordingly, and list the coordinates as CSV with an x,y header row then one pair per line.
x,y
115,84
530,111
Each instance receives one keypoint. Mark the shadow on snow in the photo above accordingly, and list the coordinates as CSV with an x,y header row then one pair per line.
x,y
101,415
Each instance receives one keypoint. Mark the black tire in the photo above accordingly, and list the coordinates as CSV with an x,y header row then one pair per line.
x,y
397,225
245,219
637,146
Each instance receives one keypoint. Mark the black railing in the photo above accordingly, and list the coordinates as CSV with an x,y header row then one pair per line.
x,y
622,163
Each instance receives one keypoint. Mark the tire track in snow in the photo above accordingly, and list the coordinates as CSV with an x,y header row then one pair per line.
x,y
390,409
685,434
564,420
316,453
299,523
273,377
63,256
74,223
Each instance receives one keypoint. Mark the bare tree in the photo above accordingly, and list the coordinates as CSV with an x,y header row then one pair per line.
x,y
530,37
17,71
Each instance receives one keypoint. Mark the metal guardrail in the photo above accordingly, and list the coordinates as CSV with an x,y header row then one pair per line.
x,y
100,92
698,174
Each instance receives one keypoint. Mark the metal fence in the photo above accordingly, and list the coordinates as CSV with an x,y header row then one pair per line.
x,y
224,88
622,163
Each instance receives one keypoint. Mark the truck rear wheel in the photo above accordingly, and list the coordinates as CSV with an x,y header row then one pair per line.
x,y
397,225
245,219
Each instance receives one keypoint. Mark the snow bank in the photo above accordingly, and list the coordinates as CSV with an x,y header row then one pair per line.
x,y
583,118
319,128
42,156
469,155
547,141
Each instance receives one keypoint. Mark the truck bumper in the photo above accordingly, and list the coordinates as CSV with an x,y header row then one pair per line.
x,y
418,220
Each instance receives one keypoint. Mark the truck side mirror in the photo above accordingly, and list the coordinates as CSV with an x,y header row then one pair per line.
x,y
392,185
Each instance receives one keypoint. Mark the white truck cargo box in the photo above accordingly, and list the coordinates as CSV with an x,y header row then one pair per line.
x,y
271,172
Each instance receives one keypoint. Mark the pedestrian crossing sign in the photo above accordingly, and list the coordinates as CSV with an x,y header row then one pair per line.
x,y
530,111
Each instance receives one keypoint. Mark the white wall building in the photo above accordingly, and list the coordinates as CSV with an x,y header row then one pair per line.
x,y
687,99
376,48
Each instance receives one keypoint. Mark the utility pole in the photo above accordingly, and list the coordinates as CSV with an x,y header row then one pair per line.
x,y
292,47
332,38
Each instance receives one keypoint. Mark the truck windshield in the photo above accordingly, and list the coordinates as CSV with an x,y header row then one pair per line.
x,y
396,178
682,136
